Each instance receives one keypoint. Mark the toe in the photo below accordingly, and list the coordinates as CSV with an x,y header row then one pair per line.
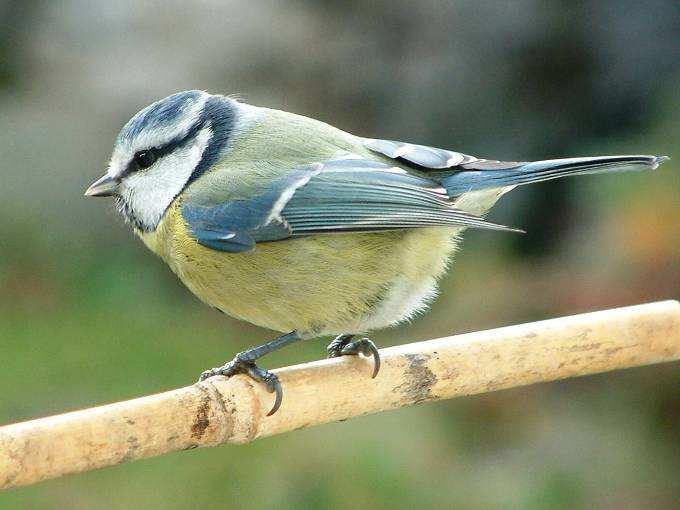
x,y
206,374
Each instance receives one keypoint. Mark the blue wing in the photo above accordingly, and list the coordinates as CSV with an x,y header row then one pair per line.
x,y
342,195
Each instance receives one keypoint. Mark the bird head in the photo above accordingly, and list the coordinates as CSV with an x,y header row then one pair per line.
x,y
161,150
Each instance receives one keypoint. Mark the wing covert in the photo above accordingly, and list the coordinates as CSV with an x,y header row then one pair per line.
x,y
425,157
236,225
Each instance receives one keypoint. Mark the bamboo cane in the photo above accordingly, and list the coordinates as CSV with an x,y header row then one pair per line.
x,y
233,410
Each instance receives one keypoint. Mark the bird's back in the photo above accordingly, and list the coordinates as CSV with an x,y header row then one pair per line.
x,y
269,146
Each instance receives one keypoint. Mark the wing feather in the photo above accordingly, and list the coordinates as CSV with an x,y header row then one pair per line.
x,y
425,157
341,195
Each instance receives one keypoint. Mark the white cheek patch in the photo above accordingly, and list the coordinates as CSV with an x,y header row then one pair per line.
x,y
148,193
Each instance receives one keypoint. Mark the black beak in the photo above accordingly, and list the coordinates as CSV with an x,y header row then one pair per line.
x,y
103,187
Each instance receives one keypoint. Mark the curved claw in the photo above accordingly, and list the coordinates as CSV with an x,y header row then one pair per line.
x,y
366,347
279,395
376,359
271,382
238,365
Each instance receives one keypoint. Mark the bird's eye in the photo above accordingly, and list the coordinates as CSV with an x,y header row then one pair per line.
x,y
145,159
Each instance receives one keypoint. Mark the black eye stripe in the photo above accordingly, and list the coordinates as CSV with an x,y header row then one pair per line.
x,y
159,152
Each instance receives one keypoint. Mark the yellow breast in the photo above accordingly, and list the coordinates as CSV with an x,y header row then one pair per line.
x,y
318,285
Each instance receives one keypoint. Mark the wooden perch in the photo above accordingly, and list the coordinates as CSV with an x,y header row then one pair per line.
x,y
233,410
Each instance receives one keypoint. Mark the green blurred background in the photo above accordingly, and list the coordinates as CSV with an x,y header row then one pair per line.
x,y
87,316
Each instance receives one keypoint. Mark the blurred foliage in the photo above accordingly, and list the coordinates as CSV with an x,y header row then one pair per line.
x,y
88,316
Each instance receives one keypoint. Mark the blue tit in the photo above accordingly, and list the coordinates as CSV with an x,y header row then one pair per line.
x,y
294,225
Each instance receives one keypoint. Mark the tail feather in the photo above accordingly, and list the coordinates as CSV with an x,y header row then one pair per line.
x,y
478,176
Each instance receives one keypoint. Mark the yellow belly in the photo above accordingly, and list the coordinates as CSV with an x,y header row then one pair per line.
x,y
318,285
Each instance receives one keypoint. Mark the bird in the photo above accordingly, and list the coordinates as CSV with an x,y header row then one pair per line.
x,y
294,225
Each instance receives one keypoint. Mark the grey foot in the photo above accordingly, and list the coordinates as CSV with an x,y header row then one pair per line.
x,y
241,365
343,345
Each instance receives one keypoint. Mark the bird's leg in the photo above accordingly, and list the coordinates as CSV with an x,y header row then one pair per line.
x,y
343,345
244,363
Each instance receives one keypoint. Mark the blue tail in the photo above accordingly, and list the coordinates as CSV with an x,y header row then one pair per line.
x,y
487,174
